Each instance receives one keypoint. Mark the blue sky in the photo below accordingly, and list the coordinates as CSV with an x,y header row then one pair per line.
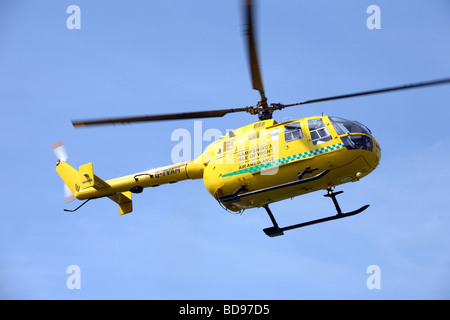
x,y
148,57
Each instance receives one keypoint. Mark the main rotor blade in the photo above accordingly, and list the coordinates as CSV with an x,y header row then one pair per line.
x,y
252,52
363,93
159,117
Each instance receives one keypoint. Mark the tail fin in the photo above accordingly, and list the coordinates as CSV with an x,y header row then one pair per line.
x,y
84,178
70,177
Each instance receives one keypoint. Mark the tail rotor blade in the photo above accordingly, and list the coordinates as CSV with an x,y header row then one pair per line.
x,y
60,151
61,154
68,195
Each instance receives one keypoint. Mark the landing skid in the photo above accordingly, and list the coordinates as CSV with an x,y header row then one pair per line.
x,y
277,231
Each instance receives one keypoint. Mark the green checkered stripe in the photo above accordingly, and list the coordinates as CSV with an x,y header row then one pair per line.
x,y
285,160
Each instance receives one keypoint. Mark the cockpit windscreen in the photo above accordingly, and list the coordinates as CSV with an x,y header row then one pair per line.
x,y
343,126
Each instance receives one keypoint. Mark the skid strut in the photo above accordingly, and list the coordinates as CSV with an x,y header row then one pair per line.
x,y
277,231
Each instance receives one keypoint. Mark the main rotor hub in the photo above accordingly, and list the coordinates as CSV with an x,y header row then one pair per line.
x,y
263,110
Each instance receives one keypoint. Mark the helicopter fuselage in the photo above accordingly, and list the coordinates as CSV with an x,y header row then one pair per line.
x,y
266,154
256,157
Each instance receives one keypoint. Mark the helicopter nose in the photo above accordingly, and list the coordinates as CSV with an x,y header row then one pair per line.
x,y
377,149
376,152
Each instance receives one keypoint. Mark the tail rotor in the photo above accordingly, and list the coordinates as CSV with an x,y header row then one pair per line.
x,y
61,154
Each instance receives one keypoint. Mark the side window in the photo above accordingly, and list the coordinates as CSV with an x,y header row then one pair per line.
x,y
319,133
274,134
229,144
253,134
292,131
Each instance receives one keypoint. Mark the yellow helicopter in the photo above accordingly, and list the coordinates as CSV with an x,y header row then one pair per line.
x,y
256,165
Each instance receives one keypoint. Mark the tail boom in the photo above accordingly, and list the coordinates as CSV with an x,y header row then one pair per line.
x,y
85,185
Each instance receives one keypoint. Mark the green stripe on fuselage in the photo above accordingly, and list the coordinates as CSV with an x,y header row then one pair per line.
x,y
285,160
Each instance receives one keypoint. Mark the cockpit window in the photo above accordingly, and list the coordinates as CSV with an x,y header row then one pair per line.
x,y
319,133
361,142
292,131
344,126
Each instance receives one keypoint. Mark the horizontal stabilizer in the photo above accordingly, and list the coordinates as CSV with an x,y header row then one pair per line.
x,y
124,201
